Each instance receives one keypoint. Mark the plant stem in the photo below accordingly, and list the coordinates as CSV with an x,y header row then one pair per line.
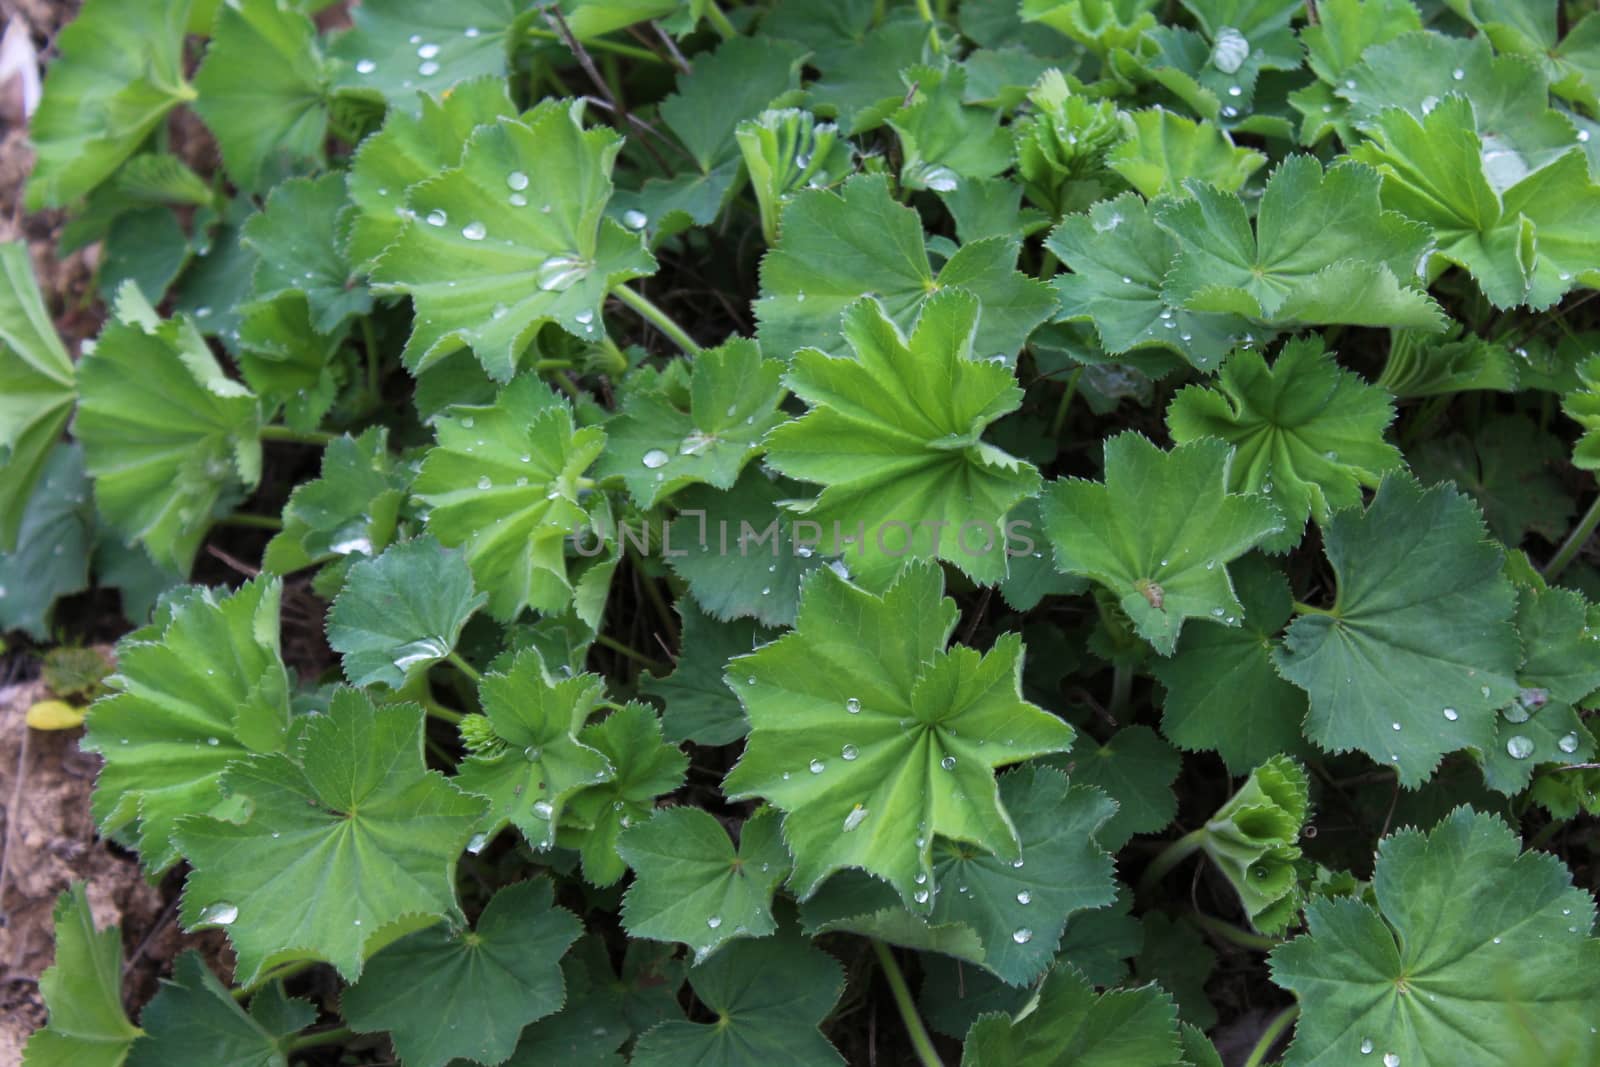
x,y
1121,689
473,674
656,317
320,1038
1269,1037
1231,933
1302,608
283,972
1170,857
1574,543
908,1010
607,641
1066,401
299,437
719,21
439,711
600,44
369,341
254,522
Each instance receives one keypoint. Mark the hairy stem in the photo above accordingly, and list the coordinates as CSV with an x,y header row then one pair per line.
x,y
1269,1037
908,1009
1574,543
657,318
473,674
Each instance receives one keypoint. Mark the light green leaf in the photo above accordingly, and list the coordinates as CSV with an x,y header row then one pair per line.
x,y
1419,365
866,730
400,48
942,140
657,448
837,247
1222,693
1319,240
1346,28
1159,532
1253,839
787,150
51,557
645,767
195,1022
502,485
204,687
1062,146
351,509
353,818
1418,650
490,981
525,753
1582,405
699,705
401,612
692,885
1307,434
1163,150
767,997
1099,25
119,71
297,237
263,91
513,238
1118,261
36,387
1135,768
1471,949
83,990
1070,1026
894,436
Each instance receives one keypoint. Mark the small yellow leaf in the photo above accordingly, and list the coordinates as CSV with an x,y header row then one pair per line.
x,y
54,715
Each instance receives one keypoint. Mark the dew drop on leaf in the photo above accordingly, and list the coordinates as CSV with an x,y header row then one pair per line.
x,y
366,66
634,220
948,763
517,180
1568,743
817,766
848,753
713,921
1366,1046
920,896
474,231
1022,935
657,458
1230,51
853,706
437,218
222,913
1024,897
543,809
1452,714
1519,747
1391,1059
857,816
477,843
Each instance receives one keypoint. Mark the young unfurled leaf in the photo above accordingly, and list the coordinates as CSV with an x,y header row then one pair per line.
x,y
194,1022
502,485
1118,260
513,238
787,150
767,998
263,90
866,730
942,140
1135,768
692,885
83,990
645,767
1420,365
1582,405
699,705
51,557
1163,150
204,688
36,387
1308,435
1070,1026
400,48
837,247
401,612
1470,947
354,819
1253,839
164,431
1222,693
491,980
656,447
297,237
1062,147
894,436
350,510
1164,563
119,71
1418,650
1323,251
528,760
1099,25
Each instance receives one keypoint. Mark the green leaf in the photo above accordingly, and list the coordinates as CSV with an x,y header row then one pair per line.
x,y
1163,150
1470,947
586,1031
657,448
1118,260
83,990
1134,767
1582,405
858,55
1418,650
205,687
529,761
1222,693
1509,467
490,981
942,140
787,150
513,238
194,1022
1100,25
1159,532
1346,28
351,509
401,612
263,91
1253,840
1062,146
837,247
1307,434
699,705
400,48
51,557
1176,957
1419,365
1019,912
1320,241
894,436
297,237
1070,1025
502,485
353,819
36,387
692,885
767,997
119,71
645,768
866,730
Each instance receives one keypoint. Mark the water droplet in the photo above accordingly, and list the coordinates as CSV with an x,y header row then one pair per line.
x,y
1519,747
1126,280
1022,935
634,220
473,231
1016,864
477,843
542,809
1452,714
1458,74
517,200
221,913
1217,612
1366,1046
948,763
713,921
921,878
1568,743
1394,726
1533,699
473,31
657,458
1516,713
800,298
561,272
857,815
853,706
584,317
1391,1059
485,482
428,69
366,66
213,742
817,766
437,218
942,180
1428,103
1230,51
1583,136
1024,897
517,180
532,753
1234,90
920,896
849,752
427,51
